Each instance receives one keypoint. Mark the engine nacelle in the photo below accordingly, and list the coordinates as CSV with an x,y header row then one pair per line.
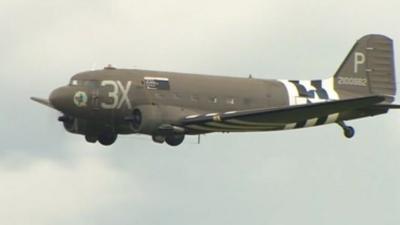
x,y
146,119
69,123
73,125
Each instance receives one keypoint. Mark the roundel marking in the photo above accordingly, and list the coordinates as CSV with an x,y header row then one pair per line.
x,y
80,99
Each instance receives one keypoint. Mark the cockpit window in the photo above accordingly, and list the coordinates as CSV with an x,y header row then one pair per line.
x,y
90,83
74,82
86,83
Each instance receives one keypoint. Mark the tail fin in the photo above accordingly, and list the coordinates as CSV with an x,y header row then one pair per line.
x,y
368,69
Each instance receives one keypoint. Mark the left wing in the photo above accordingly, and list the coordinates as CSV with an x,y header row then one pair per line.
x,y
275,118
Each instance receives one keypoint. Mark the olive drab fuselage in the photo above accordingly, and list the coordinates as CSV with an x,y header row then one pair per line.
x,y
104,103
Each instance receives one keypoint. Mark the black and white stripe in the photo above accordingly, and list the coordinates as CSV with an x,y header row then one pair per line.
x,y
308,92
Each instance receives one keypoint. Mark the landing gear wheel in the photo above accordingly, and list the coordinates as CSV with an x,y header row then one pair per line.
x,y
107,138
349,132
174,140
91,139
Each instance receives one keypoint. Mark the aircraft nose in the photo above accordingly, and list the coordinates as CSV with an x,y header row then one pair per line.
x,y
59,98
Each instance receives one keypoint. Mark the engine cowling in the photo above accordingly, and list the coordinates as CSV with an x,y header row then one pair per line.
x,y
146,119
69,123
74,125
150,119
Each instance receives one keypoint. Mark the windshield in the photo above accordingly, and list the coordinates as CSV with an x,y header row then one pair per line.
x,y
74,83
86,83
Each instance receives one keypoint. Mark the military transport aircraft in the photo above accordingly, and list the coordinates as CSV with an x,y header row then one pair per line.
x,y
106,103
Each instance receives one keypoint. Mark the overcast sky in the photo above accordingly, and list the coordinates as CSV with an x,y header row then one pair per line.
x,y
309,176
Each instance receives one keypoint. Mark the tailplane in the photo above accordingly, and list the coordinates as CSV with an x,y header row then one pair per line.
x,y
368,69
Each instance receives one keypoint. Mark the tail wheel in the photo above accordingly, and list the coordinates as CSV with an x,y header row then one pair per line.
x,y
349,132
174,140
107,138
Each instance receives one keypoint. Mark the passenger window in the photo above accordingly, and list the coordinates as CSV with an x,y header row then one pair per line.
x,y
213,100
230,101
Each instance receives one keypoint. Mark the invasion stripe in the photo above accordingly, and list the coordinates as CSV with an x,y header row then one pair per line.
x,y
308,87
290,126
302,91
332,118
291,91
329,86
321,92
317,84
311,122
301,124
321,120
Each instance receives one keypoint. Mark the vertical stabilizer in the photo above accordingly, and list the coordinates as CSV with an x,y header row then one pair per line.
x,y
368,69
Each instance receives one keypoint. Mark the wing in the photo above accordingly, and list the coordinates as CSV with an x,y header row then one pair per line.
x,y
275,118
42,101
386,106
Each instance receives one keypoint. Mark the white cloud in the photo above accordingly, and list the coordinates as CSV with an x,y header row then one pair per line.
x,y
49,192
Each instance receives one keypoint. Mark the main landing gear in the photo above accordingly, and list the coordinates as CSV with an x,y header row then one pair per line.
x,y
175,140
106,138
171,140
347,130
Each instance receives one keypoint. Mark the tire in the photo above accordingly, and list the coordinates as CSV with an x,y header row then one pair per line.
x,y
174,140
349,132
158,139
91,139
107,138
